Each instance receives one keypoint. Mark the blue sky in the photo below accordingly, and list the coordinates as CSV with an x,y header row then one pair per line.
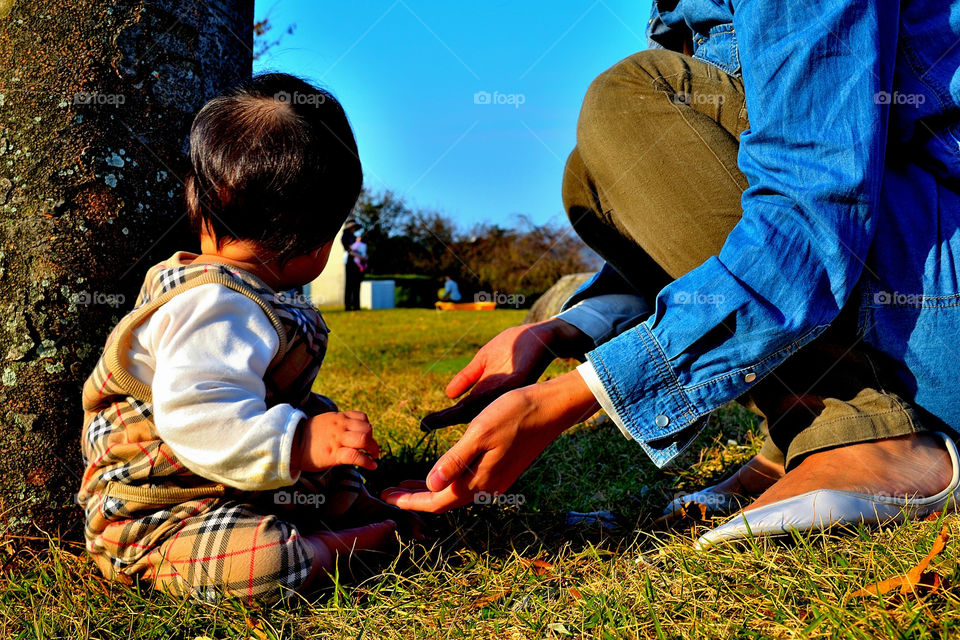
x,y
408,73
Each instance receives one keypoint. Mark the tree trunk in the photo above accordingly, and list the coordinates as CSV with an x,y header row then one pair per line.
x,y
96,100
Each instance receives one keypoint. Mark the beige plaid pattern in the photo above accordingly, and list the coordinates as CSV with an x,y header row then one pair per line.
x,y
147,515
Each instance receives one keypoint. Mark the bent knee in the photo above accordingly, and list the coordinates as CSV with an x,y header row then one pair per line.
x,y
632,79
254,558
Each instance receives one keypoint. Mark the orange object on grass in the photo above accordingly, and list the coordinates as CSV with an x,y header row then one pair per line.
x,y
464,306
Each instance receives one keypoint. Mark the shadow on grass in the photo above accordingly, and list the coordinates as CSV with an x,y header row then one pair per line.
x,y
591,468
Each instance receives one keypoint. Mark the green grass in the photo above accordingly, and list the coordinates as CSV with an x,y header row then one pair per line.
x,y
475,578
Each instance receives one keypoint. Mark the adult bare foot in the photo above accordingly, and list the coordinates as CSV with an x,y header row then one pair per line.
x,y
915,465
753,478
730,495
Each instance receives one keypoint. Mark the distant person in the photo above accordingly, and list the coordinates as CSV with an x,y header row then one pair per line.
x,y
358,251
354,274
212,469
450,291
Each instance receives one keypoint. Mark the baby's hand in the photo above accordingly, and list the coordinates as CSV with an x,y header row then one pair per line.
x,y
332,439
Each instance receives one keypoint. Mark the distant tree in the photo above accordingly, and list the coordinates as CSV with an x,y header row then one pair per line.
x,y
384,217
263,41
96,99
435,239
525,260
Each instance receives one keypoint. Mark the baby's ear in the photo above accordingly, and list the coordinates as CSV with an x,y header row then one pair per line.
x,y
190,194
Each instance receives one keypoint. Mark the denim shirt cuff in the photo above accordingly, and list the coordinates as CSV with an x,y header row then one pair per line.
x,y
646,395
589,376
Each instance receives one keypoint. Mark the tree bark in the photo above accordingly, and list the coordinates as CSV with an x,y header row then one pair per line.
x,y
96,100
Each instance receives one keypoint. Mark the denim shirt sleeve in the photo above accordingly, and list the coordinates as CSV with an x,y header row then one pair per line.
x,y
813,158
604,306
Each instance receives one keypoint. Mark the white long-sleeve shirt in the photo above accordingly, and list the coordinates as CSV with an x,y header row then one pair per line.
x,y
204,353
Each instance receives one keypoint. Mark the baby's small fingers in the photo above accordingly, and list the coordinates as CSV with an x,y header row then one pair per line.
x,y
359,440
349,456
357,415
359,426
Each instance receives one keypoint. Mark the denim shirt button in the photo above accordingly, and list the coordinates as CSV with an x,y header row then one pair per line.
x,y
662,421
750,377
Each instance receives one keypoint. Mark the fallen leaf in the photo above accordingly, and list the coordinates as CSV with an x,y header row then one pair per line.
x,y
480,603
914,575
879,588
539,567
918,580
255,629
575,593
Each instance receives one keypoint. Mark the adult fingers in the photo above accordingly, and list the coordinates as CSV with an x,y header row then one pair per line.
x,y
455,464
467,376
460,413
412,484
426,500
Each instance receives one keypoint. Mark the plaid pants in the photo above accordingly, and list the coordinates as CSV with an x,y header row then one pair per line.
x,y
247,545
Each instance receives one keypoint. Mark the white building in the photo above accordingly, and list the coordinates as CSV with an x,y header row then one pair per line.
x,y
326,292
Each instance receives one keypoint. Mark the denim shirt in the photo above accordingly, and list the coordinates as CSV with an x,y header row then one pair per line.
x,y
853,162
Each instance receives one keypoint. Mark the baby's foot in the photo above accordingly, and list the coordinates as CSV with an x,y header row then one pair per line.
x,y
368,508
331,547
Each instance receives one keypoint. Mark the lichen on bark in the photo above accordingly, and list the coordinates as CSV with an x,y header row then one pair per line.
x,y
88,89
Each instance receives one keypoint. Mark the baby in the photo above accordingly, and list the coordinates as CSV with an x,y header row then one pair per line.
x,y
211,467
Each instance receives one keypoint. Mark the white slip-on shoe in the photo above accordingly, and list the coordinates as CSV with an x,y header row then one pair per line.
x,y
825,508
716,503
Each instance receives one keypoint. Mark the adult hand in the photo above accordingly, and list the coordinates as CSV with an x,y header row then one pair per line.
x,y
514,358
499,444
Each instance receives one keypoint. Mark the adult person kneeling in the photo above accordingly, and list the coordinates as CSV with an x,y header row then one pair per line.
x,y
802,258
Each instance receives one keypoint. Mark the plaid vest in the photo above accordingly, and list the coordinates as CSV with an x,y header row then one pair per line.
x,y
129,470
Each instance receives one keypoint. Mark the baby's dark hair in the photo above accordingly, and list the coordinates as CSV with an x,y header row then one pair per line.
x,y
274,162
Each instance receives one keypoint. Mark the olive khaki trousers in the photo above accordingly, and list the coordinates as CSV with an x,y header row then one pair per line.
x,y
653,186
